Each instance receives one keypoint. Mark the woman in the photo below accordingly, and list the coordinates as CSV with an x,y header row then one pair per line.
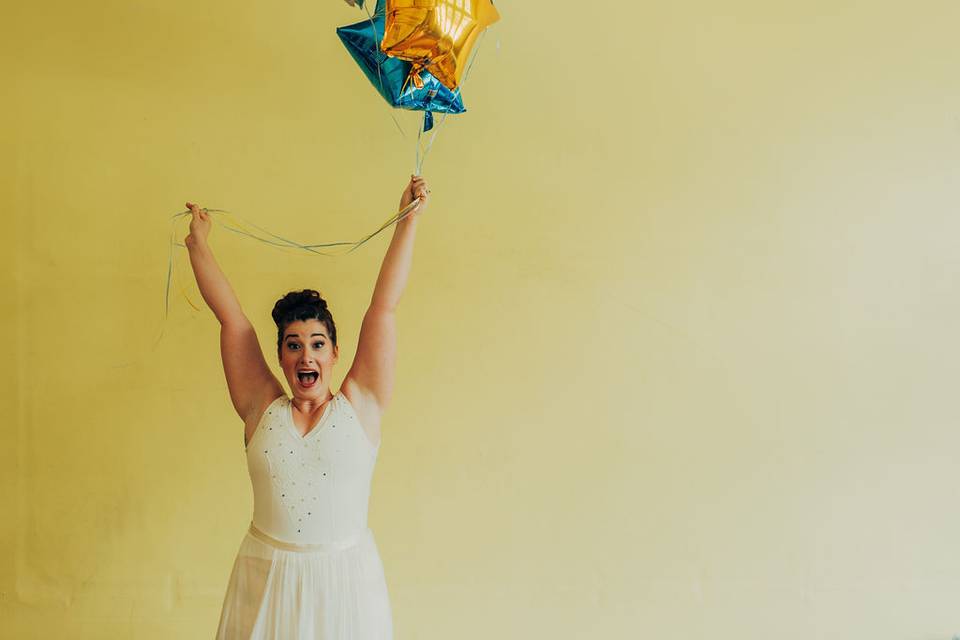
x,y
308,567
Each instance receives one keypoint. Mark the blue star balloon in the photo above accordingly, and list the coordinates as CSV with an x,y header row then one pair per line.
x,y
362,40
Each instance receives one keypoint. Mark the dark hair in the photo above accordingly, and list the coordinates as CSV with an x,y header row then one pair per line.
x,y
302,305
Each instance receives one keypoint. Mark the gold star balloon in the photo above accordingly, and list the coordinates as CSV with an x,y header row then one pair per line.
x,y
436,35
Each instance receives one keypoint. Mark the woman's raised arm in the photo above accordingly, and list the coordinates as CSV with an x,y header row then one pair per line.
x,y
214,287
249,379
372,373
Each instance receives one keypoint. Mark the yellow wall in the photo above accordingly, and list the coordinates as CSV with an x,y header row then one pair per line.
x,y
678,354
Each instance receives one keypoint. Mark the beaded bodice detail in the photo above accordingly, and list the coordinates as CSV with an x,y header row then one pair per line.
x,y
311,488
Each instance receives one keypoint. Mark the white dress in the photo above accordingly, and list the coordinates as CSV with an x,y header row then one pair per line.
x,y
308,568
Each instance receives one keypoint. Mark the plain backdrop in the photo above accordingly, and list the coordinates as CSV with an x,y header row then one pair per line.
x,y
678,355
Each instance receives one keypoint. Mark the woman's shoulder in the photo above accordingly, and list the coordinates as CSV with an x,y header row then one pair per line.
x,y
257,417
365,413
363,405
259,412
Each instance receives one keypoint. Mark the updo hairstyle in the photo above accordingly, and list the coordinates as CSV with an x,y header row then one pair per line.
x,y
302,305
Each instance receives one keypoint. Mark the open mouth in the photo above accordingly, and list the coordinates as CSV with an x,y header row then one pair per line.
x,y
307,378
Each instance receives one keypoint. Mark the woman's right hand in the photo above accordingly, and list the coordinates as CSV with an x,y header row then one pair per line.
x,y
199,225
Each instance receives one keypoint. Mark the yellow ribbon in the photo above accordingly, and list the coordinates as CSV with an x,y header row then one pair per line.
x,y
245,227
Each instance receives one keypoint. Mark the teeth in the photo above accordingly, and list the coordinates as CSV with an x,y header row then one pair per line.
x,y
311,376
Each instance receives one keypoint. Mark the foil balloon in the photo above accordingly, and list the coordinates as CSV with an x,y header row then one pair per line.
x,y
436,35
389,75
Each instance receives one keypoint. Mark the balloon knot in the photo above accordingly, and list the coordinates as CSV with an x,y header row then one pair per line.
x,y
415,76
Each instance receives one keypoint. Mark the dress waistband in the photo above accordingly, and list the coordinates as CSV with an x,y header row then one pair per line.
x,y
339,545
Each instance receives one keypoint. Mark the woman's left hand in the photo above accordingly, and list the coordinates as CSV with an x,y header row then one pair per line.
x,y
416,188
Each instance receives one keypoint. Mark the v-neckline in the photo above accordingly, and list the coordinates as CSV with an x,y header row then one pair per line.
x,y
320,424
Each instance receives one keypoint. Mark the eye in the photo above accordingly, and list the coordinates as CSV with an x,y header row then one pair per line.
x,y
292,345
318,345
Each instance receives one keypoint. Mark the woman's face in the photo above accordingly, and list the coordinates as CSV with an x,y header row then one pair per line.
x,y
306,346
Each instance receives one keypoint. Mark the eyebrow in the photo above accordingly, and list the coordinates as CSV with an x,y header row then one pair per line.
x,y
293,335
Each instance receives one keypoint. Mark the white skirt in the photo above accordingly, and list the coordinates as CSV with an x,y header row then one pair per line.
x,y
283,591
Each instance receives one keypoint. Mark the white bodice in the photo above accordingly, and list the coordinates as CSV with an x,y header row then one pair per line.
x,y
314,488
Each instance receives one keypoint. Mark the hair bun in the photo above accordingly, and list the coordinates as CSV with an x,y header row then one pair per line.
x,y
296,301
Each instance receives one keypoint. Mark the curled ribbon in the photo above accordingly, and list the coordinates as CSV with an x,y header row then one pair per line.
x,y
238,225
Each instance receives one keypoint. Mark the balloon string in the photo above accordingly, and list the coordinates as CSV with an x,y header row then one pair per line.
x,y
417,161
376,57
421,153
285,244
456,94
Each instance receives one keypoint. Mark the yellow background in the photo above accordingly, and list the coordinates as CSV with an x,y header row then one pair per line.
x,y
678,354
